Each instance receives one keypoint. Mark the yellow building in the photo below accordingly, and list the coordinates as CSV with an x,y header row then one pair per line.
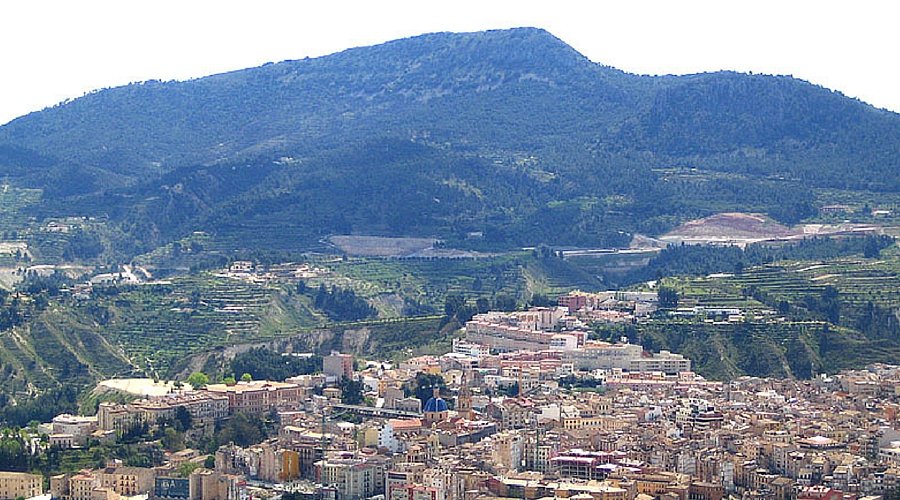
x,y
650,484
19,484
290,465
127,481
368,437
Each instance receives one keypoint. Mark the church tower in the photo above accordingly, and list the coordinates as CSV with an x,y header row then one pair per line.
x,y
464,400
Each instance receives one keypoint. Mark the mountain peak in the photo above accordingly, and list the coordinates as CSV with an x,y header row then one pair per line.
x,y
519,90
518,49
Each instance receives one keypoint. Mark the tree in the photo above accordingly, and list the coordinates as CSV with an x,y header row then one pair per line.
x,y
246,377
265,364
871,248
540,300
187,468
503,302
172,440
12,453
784,307
198,380
183,419
241,430
452,304
830,304
668,297
351,391
422,387
342,304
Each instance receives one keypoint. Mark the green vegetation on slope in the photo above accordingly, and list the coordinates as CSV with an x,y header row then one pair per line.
x,y
510,135
800,318
50,339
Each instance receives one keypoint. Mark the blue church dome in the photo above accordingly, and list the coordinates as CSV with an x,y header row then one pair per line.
x,y
436,404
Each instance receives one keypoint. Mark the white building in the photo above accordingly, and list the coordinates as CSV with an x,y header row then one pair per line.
x,y
628,357
387,439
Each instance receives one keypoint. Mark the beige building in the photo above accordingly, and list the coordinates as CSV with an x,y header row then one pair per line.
x,y
258,396
507,450
79,486
210,485
118,417
519,330
511,414
127,481
205,409
630,357
597,422
414,492
352,477
337,365
71,430
109,483
19,484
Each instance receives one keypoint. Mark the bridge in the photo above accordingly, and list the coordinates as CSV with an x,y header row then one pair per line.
x,y
369,411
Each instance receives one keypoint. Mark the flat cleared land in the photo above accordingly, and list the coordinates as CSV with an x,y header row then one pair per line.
x,y
379,246
742,229
138,386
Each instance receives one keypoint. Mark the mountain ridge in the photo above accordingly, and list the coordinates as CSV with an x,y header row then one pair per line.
x,y
510,133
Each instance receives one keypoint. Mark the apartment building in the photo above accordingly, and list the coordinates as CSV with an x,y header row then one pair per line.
x,y
352,477
19,484
337,365
628,357
258,396
110,482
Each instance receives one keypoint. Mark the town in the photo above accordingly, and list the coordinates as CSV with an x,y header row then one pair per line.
x,y
525,405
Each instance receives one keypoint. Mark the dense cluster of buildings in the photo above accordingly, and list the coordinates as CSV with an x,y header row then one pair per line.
x,y
206,406
559,333
552,418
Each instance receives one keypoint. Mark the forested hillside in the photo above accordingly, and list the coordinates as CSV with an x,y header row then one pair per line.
x,y
510,134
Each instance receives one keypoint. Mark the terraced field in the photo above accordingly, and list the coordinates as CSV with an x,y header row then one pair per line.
x,y
785,333
157,328
429,281
725,350
12,201
160,323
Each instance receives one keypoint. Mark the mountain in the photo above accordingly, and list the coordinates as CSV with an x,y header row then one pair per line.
x,y
510,134
401,85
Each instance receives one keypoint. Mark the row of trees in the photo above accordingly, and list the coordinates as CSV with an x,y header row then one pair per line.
x,y
700,260
262,363
265,364
340,304
457,307
41,408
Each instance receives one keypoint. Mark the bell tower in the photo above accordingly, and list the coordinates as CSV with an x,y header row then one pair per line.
x,y
464,400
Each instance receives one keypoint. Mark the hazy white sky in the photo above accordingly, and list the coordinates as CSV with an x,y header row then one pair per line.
x,y
54,50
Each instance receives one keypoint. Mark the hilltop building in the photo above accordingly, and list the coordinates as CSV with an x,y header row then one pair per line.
x,y
258,396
